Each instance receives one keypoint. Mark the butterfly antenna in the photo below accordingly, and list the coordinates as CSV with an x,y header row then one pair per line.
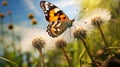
x,y
83,10
80,15
79,12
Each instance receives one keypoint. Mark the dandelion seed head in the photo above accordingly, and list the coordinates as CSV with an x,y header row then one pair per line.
x,y
4,3
94,18
96,21
9,12
50,43
38,42
84,24
80,33
31,34
98,16
60,43
34,21
28,38
2,15
30,16
10,27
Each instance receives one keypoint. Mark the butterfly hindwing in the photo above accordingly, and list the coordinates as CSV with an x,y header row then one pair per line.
x,y
56,28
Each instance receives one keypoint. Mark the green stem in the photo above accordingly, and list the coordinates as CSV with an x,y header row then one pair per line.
x,y
13,34
2,31
2,34
41,57
28,60
13,40
102,35
11,20
81,55
67,58
84,43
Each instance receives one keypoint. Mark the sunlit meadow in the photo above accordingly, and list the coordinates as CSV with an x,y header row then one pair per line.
x,y
92,41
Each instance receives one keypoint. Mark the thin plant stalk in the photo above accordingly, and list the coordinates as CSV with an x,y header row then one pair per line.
x,y
2,31
102,35
13,34
67,58
41,57
84,43
28,59
80,56
2,34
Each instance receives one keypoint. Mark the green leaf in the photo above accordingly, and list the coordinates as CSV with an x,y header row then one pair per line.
x,y
81,54
9,62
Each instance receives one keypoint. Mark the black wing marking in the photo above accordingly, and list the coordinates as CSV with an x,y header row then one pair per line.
x,y
56,28
47,7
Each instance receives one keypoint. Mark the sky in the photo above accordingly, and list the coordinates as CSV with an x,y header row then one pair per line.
x,y
21,8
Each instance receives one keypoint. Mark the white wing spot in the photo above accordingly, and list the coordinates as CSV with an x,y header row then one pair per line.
x,y
46,3
56,10
58,29
55,22
45,11
46,14
58,24
51,4
47,7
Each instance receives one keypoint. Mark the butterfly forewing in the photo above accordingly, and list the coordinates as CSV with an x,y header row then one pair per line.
x,y
52,12
56,18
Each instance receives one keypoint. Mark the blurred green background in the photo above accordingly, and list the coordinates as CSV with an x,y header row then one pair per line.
x,y
11,54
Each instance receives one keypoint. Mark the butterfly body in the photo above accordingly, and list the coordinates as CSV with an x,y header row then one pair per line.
x,y
58,21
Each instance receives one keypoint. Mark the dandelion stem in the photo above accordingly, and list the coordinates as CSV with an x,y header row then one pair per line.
x,y
102,35
13,34
84,43
2,34
41,57
11,20
67,58
28,59
2,30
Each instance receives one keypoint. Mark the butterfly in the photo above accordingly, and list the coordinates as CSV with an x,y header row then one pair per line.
x,y
58,20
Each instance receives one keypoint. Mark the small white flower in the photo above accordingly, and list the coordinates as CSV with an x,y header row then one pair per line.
x,y
98,16
39,33
80,33
35,33
93,18
38,43
84,25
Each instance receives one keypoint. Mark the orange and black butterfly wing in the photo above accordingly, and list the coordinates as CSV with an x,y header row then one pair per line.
x,y
56,28
52,12
57,19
